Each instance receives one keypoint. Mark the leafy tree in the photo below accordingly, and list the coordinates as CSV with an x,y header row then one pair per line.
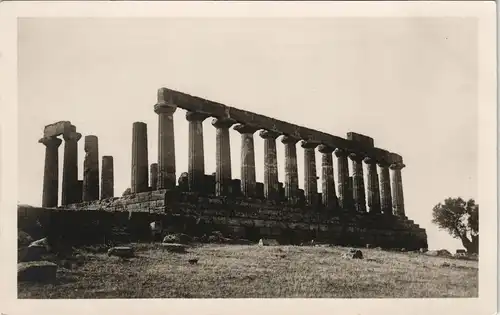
x,y
461,219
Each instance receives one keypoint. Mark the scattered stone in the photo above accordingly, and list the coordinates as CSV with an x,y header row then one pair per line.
x,y
368,245
41,242
445,264
353,254
423,250
268,242
30,253
193,261
403,249
23,238
178,238
439,253
121,251
174,248
36,271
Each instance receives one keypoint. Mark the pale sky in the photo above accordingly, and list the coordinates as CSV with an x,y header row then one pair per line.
x,y
411,84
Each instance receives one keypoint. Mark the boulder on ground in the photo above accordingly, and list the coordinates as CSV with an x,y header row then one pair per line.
x,y
41,242
178,238
36,271
353,253
30,253
121,251
423,250
174,248
268,242
23,238
439,253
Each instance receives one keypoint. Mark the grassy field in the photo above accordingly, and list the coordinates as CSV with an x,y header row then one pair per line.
x,y
238,271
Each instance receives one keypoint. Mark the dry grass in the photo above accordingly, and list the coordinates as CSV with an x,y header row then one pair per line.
x,y
261,272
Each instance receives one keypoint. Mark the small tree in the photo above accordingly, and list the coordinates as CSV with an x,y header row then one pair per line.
x,y
461,219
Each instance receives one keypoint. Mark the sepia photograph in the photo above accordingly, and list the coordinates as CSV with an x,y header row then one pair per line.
x,y
279,155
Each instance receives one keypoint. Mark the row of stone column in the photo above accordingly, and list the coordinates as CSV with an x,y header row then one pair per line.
x,y
378,199
74,190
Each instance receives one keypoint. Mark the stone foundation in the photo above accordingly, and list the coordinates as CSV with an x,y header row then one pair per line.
x,y
196,214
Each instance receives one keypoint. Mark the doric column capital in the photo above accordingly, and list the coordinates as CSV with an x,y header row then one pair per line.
x,y
268,134
75,136
289,139
165,108
196,116
50,142
397,166
309,144
246,129
223,122
383,164
369,160
356,157
339,152
322,148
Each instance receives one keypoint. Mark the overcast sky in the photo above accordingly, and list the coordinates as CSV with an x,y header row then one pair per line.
x,y
411,84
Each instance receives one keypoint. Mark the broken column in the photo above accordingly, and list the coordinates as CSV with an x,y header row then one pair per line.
x,y
291,172
196,155
344,197
222,156
154,176
70,167
385,188
398,205
140,163
328,182
91,169
271,188
51,171
165,109
372,186
107,177
310,176
358,186
248,181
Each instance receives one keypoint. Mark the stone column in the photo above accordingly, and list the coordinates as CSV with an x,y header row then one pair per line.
x,y
153,172
222,156
196,155
248,181
291,171
91,169
70,167
398,204
328,181
271,188
385,189
51,171
166,142
358,187
372,186
310,176
140,164
107,178
344,198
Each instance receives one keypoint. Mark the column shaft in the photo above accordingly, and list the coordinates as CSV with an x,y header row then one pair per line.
x,y
222,156
248,181
91,169
153,172
51,171
358,186
291,171
344,198
140,164
397,189
70,167
372,186
271,187
385,189
166,141
328,182
196,155
107,178
310,175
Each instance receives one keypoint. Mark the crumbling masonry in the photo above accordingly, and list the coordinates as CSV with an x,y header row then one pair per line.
x,y
351,210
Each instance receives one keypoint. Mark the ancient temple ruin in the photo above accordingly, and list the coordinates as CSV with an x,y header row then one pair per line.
x,y
351,210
